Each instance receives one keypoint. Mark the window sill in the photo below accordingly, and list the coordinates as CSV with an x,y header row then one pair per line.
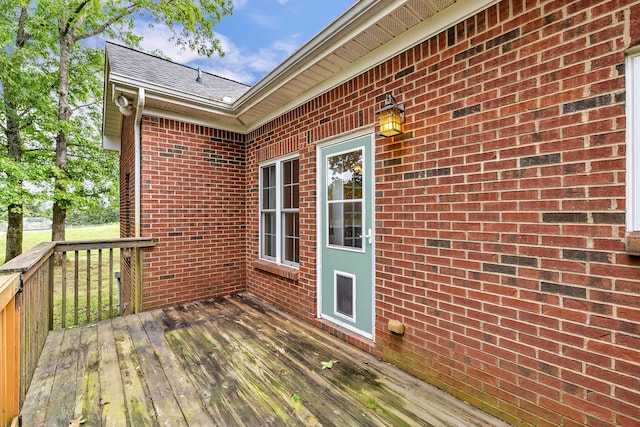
x,y
277,269
633,243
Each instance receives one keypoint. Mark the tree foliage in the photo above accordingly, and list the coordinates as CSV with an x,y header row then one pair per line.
x,y
51,88
24,84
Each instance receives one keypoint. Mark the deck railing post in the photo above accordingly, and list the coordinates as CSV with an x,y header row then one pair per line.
x,y
138,278
50,295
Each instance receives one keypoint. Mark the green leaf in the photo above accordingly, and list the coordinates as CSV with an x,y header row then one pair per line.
x,y
329,364
297,398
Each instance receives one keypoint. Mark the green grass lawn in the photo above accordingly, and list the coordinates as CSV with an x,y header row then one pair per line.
x,y
32,238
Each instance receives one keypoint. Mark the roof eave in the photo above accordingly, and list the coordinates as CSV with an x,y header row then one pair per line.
x,y
175,100
218,106
308,53
360,16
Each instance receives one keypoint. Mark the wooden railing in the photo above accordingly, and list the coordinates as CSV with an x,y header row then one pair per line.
x,y
9,344
55,285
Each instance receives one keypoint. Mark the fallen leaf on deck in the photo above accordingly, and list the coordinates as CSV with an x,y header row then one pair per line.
x,y
77,422
329,364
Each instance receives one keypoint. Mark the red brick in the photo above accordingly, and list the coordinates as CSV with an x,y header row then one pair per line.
x,y
488,206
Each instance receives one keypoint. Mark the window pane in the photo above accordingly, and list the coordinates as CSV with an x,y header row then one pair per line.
x,y
290,184
287,197
269,234
291,250
269,176
296,197
269,198
268,186
290,172
335,224
291,237
295,170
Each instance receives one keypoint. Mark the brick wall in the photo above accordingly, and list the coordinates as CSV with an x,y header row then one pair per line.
x,y
499,214
193,202
127,229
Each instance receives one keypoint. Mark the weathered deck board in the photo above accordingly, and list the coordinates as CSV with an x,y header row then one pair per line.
x,y
185,393
63,392
88,380
35,407
165,404
226,362
140,410
112,401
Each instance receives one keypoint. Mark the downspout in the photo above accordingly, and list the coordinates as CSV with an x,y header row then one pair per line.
x,y
137,259
138,160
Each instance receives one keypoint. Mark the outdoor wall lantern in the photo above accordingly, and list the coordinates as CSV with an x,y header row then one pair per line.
x,y
391,117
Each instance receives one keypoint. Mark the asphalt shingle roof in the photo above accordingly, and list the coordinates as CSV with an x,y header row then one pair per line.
x,y
157,71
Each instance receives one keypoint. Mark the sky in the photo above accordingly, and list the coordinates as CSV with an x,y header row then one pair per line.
x,y
256,38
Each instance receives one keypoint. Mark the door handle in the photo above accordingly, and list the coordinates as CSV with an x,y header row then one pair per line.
x,y
366,236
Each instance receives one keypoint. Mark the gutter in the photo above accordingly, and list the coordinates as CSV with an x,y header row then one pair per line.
x,y
218,105
138,160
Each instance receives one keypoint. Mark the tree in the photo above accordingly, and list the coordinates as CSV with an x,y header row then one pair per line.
x,y
22,81
55,35
190,21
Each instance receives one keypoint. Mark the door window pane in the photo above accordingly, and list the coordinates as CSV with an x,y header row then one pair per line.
x,y
344,176
344,194
345,224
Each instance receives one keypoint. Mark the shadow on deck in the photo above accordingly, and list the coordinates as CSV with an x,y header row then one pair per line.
x,y
228,361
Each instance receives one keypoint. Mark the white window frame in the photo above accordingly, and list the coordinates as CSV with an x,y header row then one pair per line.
x,y
279,211
633,139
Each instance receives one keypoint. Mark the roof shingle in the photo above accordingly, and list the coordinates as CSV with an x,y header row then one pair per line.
x,y
147,68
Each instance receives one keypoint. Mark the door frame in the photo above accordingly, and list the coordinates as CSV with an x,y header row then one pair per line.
x,y
320,235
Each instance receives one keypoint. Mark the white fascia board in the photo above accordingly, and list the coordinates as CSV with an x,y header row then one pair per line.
x,y
421,32
179,102
633,141
111,142
187,118
105,93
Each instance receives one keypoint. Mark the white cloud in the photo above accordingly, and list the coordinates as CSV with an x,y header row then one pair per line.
x,y
265,21
157,38
239,63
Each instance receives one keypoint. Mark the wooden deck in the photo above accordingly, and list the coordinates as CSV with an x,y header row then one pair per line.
x,y
230,361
